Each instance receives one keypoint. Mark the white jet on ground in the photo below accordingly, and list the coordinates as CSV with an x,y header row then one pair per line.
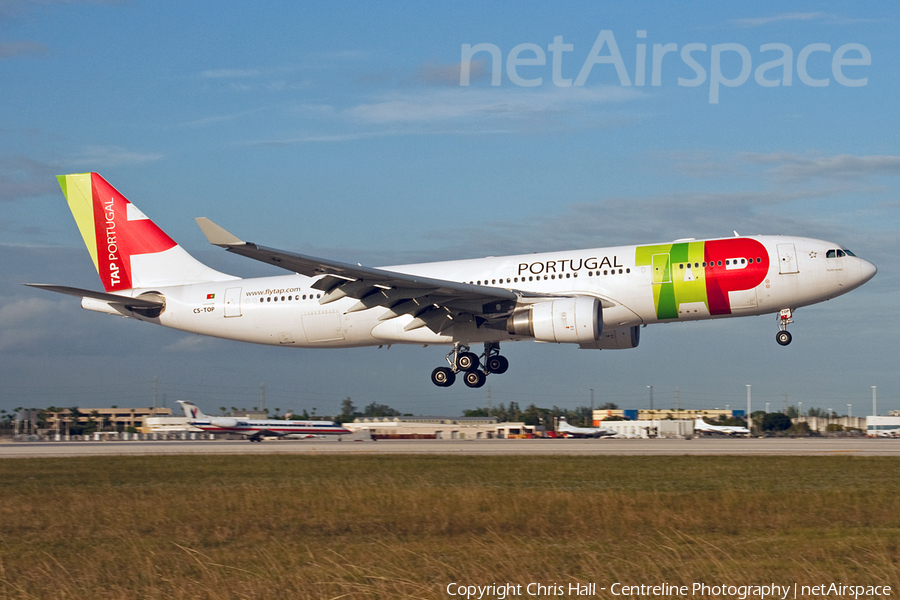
x,y
567,430
704,427
256,429
596,298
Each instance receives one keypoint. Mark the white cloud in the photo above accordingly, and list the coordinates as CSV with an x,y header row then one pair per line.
x,y
229,73
785,167
794,16
659,217
23,177
23,322
465,104
188,343
111,156
12,49
815,16
793,167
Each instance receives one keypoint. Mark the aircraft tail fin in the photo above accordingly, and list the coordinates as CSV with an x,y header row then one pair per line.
x,y
191,410
128,249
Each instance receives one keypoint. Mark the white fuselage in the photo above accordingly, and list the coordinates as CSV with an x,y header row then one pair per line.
x,y
638,285
275,427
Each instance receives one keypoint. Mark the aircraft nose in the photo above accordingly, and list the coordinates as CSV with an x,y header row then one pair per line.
x,y
866,271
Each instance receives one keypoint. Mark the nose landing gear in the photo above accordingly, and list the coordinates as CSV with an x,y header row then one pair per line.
x,y
783,337
475,369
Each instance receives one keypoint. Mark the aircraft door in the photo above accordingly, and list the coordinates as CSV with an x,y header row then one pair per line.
x,y
787,259
233,302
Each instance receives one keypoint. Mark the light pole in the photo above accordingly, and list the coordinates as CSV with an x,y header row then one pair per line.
x,y
749,420
799,410
592,408
651,399
874,400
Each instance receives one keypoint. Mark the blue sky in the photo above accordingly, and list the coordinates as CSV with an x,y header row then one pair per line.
x,y
342,130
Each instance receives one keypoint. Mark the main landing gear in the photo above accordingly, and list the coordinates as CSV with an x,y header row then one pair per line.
x,y
474,369
783,337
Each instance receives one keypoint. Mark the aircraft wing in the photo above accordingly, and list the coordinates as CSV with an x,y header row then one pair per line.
x,y
434,303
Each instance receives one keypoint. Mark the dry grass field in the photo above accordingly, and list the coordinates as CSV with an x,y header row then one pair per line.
x,y
404,527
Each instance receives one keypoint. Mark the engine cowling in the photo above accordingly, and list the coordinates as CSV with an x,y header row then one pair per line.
x,y
563,321
617,339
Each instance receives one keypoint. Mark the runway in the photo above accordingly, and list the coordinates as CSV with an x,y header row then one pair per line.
x,y
538,447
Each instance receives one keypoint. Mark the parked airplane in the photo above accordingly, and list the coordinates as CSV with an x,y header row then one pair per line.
x,y
596,298
255,429
704,427
567,430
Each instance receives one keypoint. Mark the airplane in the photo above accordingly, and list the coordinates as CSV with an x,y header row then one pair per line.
x,y
704,427
255,429
596,298
567,430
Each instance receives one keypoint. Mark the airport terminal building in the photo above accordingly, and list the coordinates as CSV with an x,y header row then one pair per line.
x,y
440,428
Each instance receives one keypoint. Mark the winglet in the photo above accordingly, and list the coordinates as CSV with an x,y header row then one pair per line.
x,y
217,235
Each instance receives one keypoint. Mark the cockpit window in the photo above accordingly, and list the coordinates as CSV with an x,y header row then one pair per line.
x,y
838,253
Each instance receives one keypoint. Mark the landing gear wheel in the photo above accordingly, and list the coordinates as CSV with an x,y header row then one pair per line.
x,y
443,377
467,361
497,364
783,338
474,379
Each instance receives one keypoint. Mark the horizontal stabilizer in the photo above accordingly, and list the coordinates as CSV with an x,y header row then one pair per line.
x,y
108,298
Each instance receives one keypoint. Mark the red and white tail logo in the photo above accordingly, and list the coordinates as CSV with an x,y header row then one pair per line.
x,y
122,231
128,249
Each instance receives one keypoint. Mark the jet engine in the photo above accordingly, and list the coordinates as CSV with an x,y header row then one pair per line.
x,y
576,320
617,339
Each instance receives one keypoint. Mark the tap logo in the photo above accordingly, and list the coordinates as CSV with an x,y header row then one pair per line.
x,y
114,230
690,272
